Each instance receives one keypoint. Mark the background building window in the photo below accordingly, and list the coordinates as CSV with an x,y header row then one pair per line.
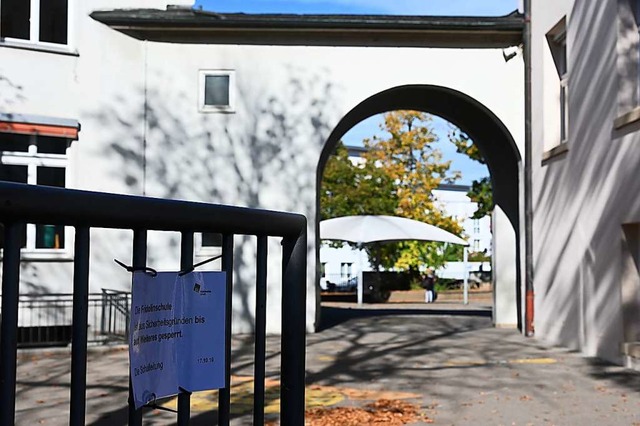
x,y
35,20
35,160
345,270
476,226
217,92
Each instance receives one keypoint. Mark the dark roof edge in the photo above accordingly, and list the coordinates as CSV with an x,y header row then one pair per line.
x,y
192,18
179,25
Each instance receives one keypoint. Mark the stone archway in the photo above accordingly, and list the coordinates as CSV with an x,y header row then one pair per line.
x,y
503,161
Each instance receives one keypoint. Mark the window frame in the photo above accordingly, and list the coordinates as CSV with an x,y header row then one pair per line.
x,y
202,75
204,251
346,270
33,42
628,109
557,142
33,160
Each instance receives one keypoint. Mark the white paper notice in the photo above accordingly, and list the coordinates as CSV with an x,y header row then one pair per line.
x,y
177,334
201,351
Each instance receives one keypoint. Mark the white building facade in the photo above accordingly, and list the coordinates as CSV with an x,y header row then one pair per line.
x,y
106,108
585,157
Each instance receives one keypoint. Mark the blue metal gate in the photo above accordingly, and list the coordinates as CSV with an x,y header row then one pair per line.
x,y
21,204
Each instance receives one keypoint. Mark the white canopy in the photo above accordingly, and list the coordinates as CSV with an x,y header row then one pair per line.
x,y
370,229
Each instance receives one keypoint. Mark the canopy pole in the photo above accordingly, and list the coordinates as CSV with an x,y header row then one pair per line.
x,y
465,275
360,285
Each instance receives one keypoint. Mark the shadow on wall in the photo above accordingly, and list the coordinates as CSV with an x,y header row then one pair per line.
x,y
262,156
10,94
581,199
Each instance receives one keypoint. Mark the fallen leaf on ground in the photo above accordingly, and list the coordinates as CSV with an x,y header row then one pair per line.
x,y
381,412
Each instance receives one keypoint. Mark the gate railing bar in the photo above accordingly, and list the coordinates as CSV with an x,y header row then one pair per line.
x,y
9,330
186,263
260,331
294,296
224,394
139,260
79,327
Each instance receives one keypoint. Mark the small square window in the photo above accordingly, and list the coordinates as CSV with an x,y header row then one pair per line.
x,y
217,91
210,239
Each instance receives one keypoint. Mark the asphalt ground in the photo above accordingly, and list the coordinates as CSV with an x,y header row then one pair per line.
x,y
445,358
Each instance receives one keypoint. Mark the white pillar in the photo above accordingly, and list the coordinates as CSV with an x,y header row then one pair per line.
x,y
360,286
465,275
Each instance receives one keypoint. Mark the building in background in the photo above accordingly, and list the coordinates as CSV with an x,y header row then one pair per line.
x,y
339,265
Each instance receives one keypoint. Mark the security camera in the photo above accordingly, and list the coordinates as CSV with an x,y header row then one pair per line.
x,y
510,52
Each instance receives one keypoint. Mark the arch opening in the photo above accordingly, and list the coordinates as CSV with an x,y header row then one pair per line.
x,y
483,127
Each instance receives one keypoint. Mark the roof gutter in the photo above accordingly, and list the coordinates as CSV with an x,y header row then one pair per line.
x,y
528,177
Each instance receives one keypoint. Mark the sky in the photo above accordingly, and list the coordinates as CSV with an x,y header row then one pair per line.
x,y
471,170
391,7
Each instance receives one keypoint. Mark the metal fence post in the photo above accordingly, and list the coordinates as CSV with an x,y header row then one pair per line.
x,y
139,261
9,329
260,331
294,306
186,263
79,330
224,394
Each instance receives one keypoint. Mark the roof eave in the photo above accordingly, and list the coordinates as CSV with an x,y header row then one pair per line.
x,y
340,30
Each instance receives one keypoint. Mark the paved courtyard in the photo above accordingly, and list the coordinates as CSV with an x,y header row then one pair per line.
x,y
444,358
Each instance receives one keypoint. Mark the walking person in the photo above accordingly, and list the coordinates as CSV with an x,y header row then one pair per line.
x,y
429,285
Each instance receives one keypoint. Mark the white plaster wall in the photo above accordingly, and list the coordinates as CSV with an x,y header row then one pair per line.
x,y
582,198
504,273
263,155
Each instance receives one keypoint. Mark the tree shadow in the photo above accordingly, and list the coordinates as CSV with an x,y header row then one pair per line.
x,y
251,158
333,316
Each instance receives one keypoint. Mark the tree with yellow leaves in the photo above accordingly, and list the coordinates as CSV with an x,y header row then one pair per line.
x,y
410,159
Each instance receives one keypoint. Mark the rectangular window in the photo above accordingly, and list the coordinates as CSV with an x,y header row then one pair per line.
x,y
476,226
36,160
476,245
345,270
217,91
556,92
208,244
628,62
558,44
211,240
38,21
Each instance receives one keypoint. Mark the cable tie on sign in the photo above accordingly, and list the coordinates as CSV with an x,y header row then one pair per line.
x,y
145,269
152,404
204,262
160,407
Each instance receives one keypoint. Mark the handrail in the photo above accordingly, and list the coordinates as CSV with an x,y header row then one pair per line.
x,y
39,204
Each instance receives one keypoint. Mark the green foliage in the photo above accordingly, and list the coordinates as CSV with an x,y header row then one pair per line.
x,y
349,189
481,193
481,190
479,257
